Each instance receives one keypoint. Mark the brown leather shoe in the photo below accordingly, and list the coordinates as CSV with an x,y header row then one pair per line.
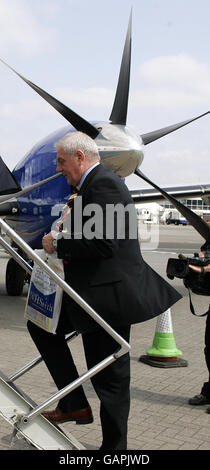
x,y
57,416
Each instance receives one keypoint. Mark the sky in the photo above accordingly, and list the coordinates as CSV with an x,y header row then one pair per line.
x,y
73,50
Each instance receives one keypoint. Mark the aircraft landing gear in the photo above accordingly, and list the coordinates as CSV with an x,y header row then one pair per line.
x,y
15,278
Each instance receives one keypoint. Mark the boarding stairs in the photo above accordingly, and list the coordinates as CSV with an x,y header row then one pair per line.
x,y
15,406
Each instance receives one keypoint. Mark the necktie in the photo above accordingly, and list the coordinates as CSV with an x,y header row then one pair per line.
x,y
67,209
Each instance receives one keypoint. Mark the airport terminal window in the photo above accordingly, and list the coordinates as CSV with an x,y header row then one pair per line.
x,y
193,204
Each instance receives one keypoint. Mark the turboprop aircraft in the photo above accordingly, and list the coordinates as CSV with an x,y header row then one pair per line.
x,y
32,195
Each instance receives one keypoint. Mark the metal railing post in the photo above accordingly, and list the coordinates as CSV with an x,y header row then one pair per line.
x,y
16,375
16,256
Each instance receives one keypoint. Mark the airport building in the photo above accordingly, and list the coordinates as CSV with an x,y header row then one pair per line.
x,y
164,212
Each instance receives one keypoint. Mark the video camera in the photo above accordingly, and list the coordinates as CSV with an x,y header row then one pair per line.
x,y
198,282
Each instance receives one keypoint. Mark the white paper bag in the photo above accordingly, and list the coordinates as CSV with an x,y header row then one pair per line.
x,y
44,299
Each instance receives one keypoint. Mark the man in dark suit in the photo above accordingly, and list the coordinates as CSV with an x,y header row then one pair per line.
x,y
104,266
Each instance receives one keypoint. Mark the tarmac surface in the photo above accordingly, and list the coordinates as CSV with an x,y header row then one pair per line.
x,y
160,416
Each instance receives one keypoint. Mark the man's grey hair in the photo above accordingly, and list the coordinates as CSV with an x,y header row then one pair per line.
x,y
74,141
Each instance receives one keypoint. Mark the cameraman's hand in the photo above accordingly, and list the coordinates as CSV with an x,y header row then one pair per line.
x,y
200,269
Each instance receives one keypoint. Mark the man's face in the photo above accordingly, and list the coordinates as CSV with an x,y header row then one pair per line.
x,y
70,166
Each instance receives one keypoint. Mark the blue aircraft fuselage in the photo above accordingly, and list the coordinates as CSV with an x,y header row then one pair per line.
x,y
41,207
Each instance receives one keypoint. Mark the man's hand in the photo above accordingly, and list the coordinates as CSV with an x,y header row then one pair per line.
x,y
47,243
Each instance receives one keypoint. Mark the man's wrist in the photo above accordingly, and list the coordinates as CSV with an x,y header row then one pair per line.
x,y
54,242
55,236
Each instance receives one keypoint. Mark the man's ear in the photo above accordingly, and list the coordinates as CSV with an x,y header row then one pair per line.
x,y
80,155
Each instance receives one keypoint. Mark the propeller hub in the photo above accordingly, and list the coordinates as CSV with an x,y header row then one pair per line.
x,y
120,148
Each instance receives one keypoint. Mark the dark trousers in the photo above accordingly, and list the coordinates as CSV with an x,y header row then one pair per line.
x,y
112,384
206,386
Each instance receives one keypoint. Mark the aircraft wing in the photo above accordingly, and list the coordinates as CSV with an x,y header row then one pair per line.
x,y
179,192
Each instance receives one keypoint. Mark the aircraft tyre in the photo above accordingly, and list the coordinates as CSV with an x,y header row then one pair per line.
x,y
15,276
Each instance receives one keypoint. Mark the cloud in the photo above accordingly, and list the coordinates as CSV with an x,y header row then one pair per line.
x,y
79,99
25,110
20,27
180,69
91,97
173,81
177,164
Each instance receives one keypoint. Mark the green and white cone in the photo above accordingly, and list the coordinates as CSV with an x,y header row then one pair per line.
x,y
163,352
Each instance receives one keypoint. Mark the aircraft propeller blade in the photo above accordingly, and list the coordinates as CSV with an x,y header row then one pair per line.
x,y
154,135
199,224
120,106
8,183
77,121
7,197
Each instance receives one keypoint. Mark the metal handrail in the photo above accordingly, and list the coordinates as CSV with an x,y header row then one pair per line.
x,y
16,256
16,375
124,346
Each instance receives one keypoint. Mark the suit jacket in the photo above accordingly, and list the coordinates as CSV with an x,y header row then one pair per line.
x,y
110,273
